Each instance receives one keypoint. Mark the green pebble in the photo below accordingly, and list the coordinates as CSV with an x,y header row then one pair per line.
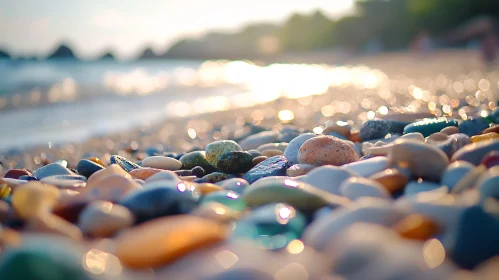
x,y
235,162
227,198
197,158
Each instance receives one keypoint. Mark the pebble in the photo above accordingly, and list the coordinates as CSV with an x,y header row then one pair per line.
x,y
450,130
274,166
272,146
488,184
215,149
33,199
491,159
112,169
235,184
16,173
473,126
415,187
163,175
206,188
291,151
328,178
374,129
216,211
65,181
161,241
430,126
299,169
215,177
103,219
235,162
52,169
355,188
161,162
455,172
323,150
391,179
492,129
230,199
484,137
367,167
144,173
344,130
87,167
475,152
256,140
271,153
47,223
123,163
111,188
197,158
416,227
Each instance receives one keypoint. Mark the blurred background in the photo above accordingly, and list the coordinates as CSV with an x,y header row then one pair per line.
x,y
70,70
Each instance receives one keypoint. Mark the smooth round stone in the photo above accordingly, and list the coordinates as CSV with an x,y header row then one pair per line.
x,y
52,224
197,158
228,198
34,199
256,140
235,184
123,163
206,188
299,169
450,130
47,259
391,179
484,137
52,169
163,175
158,201
257,160
215,149
112,169
368,167
491,159
274,166
374,129
87,167
355,188
215,177
416,227
272,146
254,153
488,184
473,126
161,241
271,153
65,181
111,188
144,173
430,126
436,137
297,194
455,172
216,211
161,162
414,187
474,239
323,150
16,173
291,151
424,161
414,136
475,152
235,162
103,219
322,231
273,226
327,178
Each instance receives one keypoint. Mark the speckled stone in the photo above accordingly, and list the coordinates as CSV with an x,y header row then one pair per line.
x,y
374,129
215,149
323,150
291,152
274,166
235,162
197,158
429,126
473,126
123,163
215,177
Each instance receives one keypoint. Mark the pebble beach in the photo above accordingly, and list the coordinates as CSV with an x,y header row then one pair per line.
x,y
382,168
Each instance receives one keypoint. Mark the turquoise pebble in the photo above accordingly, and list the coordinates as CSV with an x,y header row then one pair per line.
x,y
473,126
429,126
228,198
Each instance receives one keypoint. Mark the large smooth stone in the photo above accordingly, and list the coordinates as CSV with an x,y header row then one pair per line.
x,y
157,201
374,129
34,199
111,188
272,226
368,167
355,188
475,152
52,169
228,198
291,151
87,167
455,172
299,169
215,149
322,231
161,162
297,194
103,219
112,169
414,187
144,172
473,126
327,178
197,158
235,184
256,140
235,162
425,161
430,126
161,241
474,240
274,166
323,150
123,163
163,175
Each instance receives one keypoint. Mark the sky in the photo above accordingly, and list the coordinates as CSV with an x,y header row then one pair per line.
x,y
35,27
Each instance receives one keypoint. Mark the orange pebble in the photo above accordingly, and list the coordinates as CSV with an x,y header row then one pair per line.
x,y
271,153
259,159
97,160
207,188
355,137
391,179
416,227
144,172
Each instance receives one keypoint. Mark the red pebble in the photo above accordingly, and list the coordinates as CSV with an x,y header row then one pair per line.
x,y
491,159
16,173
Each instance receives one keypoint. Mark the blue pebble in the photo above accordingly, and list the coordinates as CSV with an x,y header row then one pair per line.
x,y
473,126
417,187
274,166
337,135
373,129
27,178
397,127
495,116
